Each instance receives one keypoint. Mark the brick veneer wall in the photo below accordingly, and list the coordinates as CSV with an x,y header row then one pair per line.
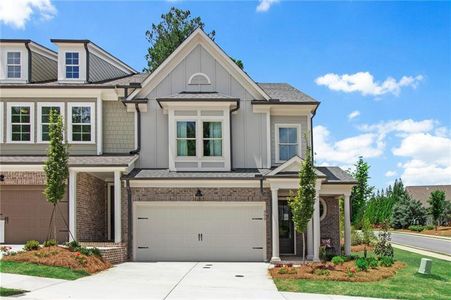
x,y
91,208
209,194
330,226
115,253
23,178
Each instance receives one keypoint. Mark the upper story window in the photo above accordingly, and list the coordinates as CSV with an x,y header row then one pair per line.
x,y
20,123
212,138
287,141
186,138
44,119
81,123
72,65
13,65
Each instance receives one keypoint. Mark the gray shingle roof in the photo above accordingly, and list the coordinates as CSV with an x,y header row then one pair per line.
x,y
336,175
101,160
166,174
285,92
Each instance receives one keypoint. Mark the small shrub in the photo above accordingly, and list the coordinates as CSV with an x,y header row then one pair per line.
x,y
356,238
6,250
383,246
361,264
73,246
31,245
283,270
417,228
96,252
50,243
386,261
81,259
372,262
350,272
42,254
429,227
321,272
338,260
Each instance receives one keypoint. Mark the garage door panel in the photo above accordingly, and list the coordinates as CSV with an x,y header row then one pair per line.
x,y
229,232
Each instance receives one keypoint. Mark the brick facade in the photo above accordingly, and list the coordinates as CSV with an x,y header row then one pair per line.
x,y
23,178
330,225
91,208
115,253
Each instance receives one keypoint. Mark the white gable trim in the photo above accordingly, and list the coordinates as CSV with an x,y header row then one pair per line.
x,y
291,165
196,38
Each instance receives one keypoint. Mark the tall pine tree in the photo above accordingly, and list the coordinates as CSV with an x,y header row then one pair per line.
x,y
362,191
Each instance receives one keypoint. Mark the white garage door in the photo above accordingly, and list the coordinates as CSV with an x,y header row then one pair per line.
x,y
194,231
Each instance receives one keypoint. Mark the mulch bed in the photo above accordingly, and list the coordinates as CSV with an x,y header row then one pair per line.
x,y
335,273
61,257
361,248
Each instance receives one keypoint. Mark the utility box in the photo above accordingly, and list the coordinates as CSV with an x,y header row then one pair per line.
x,y
425,266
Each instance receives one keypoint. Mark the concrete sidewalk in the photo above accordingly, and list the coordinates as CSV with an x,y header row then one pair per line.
x,y
27,283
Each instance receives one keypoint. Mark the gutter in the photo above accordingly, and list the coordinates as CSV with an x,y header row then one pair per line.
x,y
230,129
27,45
87,60
138,148
130,219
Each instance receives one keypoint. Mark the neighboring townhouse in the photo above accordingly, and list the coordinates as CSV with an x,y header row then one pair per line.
x,y
193,161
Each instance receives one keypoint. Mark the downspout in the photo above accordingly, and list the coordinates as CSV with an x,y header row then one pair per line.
x,y
130,219
231,139
138,148
27,45
311,139
87,62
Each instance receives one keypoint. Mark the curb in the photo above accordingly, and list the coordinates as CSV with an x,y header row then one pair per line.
x,y
437,255
424,235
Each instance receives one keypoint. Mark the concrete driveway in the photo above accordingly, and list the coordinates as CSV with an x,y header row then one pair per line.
x,y
168,280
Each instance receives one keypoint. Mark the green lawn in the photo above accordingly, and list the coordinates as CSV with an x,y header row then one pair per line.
x,y
406,284
25,268
4,292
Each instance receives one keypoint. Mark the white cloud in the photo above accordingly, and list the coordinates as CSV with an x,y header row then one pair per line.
x,y
402,127
417,172
265,5
344,152
390,173
353,114
16,13
364,83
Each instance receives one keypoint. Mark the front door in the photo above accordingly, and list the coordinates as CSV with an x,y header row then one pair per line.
x,y
286,229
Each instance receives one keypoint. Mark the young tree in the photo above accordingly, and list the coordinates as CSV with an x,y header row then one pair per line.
x,y
437,200
302,203
408,211
362,191
164,37
56,167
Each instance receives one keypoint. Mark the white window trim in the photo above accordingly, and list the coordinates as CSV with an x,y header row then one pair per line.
x,y
39,116
15,65
276,135
2,121
195,138
9,137
69,65
211,139
324,214
92,105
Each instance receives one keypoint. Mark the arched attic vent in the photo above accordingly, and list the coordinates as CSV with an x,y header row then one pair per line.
x,y
199,78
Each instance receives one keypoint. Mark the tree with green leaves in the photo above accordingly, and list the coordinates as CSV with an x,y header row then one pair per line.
x,y
56,167
408,211
437,201
164,37
302,202
362,191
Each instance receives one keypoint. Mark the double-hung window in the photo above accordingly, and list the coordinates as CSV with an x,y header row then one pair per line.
x,y
186,138
20,122
44,124
13,65
212,138
72,65
81,122
287,141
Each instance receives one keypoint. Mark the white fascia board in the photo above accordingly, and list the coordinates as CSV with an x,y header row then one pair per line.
x,y
336,189
284,109
186,183
21,167
43,51
285,165
196,38
107,94
94,49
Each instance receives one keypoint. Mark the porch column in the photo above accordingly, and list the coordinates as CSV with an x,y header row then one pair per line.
x,y
310,239
275,225
316,227
117,207
347,229
72,204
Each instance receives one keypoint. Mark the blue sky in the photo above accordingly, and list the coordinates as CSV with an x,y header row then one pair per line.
x,y
388,62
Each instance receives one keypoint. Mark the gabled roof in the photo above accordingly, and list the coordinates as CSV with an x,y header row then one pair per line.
x,y
200,37
291,167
